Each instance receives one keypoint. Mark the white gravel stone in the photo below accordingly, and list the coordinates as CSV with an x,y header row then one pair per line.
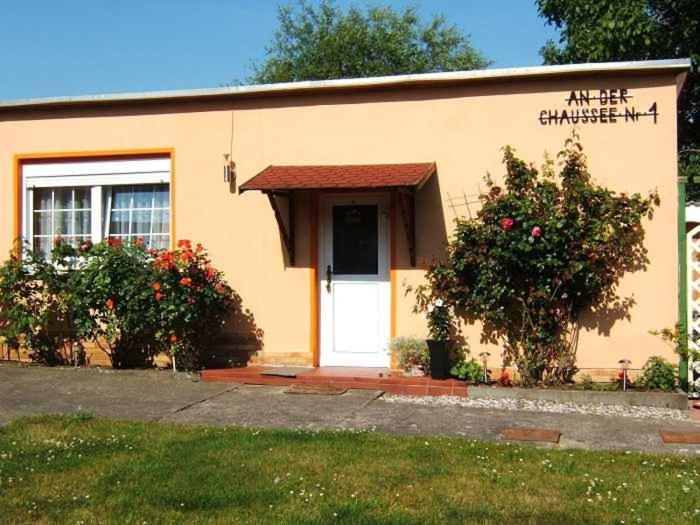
x,y
597,409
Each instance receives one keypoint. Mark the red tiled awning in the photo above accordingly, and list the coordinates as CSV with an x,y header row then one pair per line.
x,y
358,176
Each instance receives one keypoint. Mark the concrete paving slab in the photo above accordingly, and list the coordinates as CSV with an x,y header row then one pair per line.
x,y
154,395
271,407
128,394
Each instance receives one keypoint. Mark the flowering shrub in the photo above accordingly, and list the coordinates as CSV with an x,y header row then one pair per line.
x,y
131,302
36,307
114,306
541,251
193,301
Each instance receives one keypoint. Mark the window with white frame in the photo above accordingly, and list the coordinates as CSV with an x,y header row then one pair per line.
x,y
96,200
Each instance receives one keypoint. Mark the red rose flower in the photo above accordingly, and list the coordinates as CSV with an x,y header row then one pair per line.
x,y
173,338
156,286
159,296
184,243
139,241
507,224
113,241
185,281
219,287
109,303
85,246
536,231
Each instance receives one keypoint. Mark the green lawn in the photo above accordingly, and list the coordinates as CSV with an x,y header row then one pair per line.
x,y
83,470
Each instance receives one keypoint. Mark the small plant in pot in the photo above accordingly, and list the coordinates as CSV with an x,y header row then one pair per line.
x,y
439,320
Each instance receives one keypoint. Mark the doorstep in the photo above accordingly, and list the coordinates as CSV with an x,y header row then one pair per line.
x,y
391,381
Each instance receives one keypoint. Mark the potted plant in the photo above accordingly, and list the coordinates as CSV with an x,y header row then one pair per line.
x,y
439,328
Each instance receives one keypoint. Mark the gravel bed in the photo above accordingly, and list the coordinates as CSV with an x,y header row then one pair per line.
x,y
597,409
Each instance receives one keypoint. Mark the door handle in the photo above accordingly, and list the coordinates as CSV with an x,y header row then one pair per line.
x,y
329,276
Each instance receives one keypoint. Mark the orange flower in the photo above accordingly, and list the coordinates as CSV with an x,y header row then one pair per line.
x,y
185,281
159,296
156,286
186,255
139,241
113,241
199,248
109,303
184,243
209,273
173,338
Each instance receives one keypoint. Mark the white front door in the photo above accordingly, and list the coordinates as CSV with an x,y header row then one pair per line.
x,y
354,280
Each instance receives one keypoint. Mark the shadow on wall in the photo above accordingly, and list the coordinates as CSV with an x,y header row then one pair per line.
x,y
239,340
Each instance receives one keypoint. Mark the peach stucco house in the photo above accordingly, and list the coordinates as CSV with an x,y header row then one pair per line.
x,y
322,200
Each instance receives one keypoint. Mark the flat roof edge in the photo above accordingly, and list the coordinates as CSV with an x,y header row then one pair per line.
x,y
679,65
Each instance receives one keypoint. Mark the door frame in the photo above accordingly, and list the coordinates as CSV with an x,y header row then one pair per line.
x,y
319,232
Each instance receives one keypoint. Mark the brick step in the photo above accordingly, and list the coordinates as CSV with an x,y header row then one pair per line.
x,y
417,386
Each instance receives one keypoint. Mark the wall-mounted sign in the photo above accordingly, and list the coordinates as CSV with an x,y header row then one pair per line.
x,y
601,106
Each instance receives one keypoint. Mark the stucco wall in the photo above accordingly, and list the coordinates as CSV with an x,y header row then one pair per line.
x,y
460,128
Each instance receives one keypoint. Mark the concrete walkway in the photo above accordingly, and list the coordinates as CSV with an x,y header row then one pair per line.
x,y
163,396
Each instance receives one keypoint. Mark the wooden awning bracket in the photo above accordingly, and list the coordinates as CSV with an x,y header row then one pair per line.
x,y
287,231
407,206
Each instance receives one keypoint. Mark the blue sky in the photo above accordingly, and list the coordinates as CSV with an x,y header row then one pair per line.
x,y
75,47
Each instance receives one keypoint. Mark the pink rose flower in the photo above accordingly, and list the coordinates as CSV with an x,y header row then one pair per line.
x,y
536,231
507,224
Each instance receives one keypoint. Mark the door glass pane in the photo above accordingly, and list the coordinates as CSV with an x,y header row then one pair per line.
x,y
355,240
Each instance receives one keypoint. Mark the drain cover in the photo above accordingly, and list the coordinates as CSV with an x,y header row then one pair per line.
x,y
531,434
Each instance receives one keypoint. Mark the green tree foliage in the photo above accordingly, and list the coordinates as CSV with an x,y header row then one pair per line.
x,y
319,42
542,250
609,30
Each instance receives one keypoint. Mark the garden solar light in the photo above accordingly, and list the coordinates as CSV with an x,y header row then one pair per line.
x,y
484,359
624,364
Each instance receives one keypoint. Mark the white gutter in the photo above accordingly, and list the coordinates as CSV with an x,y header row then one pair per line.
x,y
433,79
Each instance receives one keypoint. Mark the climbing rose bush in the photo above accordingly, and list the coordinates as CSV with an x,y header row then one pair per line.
x,y
544,248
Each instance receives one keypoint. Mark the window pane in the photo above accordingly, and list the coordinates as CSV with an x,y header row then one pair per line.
x,y
62,223
121,197
161,196
42,223
141,222
161,221
42,198
81,223
62,198
119,223
43,245
82,198
160,242
143,196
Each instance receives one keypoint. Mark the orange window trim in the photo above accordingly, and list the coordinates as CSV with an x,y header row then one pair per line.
x,y
392,268
313,257
19,159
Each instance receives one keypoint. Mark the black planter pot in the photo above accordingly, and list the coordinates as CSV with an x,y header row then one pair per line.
x,y
439,359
